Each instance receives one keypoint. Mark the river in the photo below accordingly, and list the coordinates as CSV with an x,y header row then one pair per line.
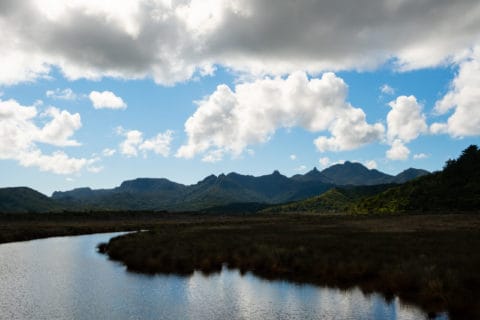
x,y
65,278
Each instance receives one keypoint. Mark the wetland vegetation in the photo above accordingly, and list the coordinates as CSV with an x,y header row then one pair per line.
x,y
428,260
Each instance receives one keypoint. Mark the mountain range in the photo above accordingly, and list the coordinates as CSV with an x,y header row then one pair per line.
x,y
347,188
232,191
221,190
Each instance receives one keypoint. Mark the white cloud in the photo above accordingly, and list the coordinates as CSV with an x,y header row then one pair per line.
x,y
160,144
213,156
438,128
293,157
463,98
134,142
324,161
386,89
129,146
95,169
106,100
405,122
173,41
19,136
398,151
301,168
232,120
371,164
350,131
58,162
107,152
419,156
65,94
59,130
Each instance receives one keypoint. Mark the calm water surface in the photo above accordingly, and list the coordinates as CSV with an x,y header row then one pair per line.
x,y
65,278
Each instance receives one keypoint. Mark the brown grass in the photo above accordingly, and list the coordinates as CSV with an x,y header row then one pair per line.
x,y
428,260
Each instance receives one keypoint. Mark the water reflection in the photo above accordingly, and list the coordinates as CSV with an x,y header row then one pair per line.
x,y
64,278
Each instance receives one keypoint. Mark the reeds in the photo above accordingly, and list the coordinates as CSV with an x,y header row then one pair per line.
x,y
435,268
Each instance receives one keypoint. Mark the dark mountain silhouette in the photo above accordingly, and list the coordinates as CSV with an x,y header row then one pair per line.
x,y
223,190
23,199
353,173
408,175
313,175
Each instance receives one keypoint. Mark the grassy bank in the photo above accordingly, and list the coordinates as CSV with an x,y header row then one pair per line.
x,y
21,227
428,260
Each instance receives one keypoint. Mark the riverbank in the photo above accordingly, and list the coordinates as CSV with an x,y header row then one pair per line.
x,y
22,227
428,260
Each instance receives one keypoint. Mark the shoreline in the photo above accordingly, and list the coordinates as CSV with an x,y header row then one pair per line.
x,y
428,260
432,265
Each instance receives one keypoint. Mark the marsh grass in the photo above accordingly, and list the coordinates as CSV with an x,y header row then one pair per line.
x,y
29,226
431,261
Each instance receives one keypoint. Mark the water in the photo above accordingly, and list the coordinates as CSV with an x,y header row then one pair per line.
x,y
65,278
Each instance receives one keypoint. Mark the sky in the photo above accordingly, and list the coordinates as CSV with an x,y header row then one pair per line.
x,y
93,93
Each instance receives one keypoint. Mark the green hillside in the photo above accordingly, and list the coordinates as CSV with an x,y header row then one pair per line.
x,y
455,188
335,200
22,199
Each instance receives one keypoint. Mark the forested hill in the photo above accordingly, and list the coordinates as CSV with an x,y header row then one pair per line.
x,y
23,199
455,188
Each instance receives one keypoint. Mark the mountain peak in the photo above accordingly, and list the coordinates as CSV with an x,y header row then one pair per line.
x,y
312,176
354,173
409,174
148,185
208,179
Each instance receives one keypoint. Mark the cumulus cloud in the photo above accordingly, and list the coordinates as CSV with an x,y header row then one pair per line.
x,y
398,151
106,100
301,168
213,156
59,130
463,98
134,142
293,157
405,122
371,164
95,169
160,144
386,89
107,152
250,114
324,161
438,128
133,139
19,136
65,94
171,41
419,156
58,162
350,131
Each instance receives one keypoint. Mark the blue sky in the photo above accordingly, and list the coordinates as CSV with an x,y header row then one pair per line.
x,y
94,94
